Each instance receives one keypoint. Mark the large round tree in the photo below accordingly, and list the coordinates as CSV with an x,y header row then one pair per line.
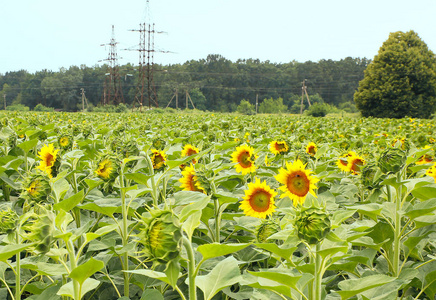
x,y
400,81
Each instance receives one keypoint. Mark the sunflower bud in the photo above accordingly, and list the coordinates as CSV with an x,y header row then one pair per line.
x,y
130,149
162,236
371,176
36,188
40,231
8,221
267,228
158,143
312,224
392,160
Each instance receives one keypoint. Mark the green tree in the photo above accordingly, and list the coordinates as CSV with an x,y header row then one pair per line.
x,y
245,108
401,80
272,106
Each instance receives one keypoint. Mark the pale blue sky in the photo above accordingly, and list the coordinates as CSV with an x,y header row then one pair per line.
x,y
49,34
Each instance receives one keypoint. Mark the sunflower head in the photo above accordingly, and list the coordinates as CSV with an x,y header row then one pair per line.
x,y
130,149
311,149
161,236
355,164
158,159
343,161
425,159
371,176
189,150
65,141
259,200
8,221
244,158
50,160
40,229
190,180
297,182
312,224
278,147
392,160
36,188
267,228
401,143
108,167
432,172
158,143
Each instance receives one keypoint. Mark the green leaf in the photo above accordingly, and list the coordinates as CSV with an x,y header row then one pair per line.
x,y
28,145
86,270
173,272
285,253
191,223
372,210
8,251
100,232
88,285
224,274
151,294
152,274
282,276
214,250
198,202
422,208
70,203
60,188
106,206
424,193
352,287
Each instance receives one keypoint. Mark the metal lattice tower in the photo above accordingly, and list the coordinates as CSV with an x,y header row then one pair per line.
x,y
112,93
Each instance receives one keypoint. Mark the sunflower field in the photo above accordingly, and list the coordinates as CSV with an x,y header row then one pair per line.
x,y
216,206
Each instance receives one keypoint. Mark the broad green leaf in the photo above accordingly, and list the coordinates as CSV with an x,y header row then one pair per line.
x,y
285,253
70,203
28,145
215,249
86,270
173,272
352,287
224,274
191,223
48,294
340,216
422,208
68,289
104,206
50,269
151,294
199,201
372,210
424,193
283,276
60,188
152,274
8,251
100,232
92,184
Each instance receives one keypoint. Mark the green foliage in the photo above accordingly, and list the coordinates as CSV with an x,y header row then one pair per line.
x,y
40,107
401,81
245,108
17,107
272,106
295,100
320,110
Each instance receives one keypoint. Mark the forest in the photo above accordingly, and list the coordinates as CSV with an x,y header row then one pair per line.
x,y
213,84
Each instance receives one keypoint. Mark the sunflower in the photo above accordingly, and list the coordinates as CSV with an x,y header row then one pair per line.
x,y
354,164
432,172
190,181
244,158
298,182
259,200
48,156
278,147
158,159
311,149
65,142
342,161
189,150
425,159
105,169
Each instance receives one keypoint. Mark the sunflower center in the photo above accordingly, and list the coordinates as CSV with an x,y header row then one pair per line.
x,y
298,184
49,159
32,189
260,201
156,235
356,165
245,159
64,141
311,150
191,152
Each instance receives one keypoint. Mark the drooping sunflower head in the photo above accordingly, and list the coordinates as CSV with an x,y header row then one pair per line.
x,y
312,224
108,167
392,160
161,236
65,141
311,149
355,164
36,188
244,158
267,228
425,159
130,149
278,147
158,159
50,160
371,176
39,229
158,143
189,150
259,200
297,182
190,181
343,160
432,172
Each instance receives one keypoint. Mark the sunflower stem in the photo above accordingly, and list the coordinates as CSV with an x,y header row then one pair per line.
x,y
73,265
191,269
397,237
125,233
318,272
17,268
217,220
153,183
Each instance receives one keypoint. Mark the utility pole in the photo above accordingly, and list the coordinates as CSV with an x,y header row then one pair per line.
x,y
83,99
4,98
257,101
303,93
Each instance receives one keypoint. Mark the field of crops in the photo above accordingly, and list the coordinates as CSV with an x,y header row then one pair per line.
x,y
216,206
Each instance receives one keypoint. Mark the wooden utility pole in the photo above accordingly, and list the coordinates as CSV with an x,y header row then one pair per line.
x,y
4,98
83,99
257,101
189,97
304,92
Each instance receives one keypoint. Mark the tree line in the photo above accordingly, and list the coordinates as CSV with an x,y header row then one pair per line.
x,y
214,83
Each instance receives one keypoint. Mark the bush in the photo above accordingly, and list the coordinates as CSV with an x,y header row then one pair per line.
x,y
17,107
320,110
245,108
40,107
272,106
